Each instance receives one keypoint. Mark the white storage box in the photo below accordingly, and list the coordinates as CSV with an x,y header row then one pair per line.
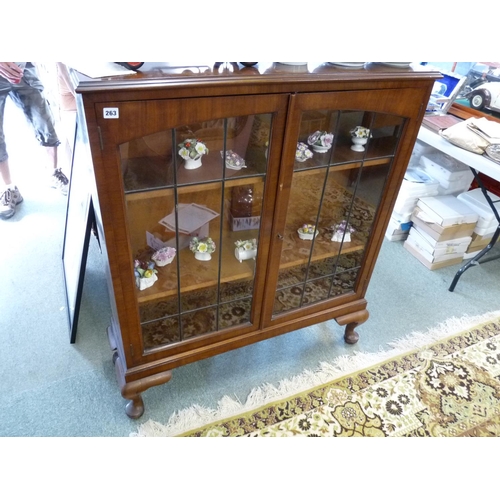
x,y
423,241
446,210
476,200
401,218
442,167
460,185
415,185
485,232
431,264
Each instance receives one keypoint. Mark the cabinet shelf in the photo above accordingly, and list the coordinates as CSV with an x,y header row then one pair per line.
x,y
160,192
298,250
199,274
155,173
379,152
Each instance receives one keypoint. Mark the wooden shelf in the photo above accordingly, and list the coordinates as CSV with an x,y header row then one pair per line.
x,y
298,251
192,188
148,174
379,152
195,274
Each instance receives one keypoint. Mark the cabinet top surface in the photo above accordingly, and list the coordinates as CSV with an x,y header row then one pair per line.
x,y
162,75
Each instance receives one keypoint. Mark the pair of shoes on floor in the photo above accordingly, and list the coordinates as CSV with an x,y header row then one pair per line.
x,y
60,181
8,201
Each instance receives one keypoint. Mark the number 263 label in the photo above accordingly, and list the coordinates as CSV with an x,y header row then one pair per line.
x,y
110,113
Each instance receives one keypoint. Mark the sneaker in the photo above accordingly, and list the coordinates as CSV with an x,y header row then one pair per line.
x,y
60,181
8,201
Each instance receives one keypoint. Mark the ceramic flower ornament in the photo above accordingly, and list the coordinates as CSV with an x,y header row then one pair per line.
x,y
360,136
191,150
321,141
361,132
307,231
302,152
145,274
245,249
342,232
202,247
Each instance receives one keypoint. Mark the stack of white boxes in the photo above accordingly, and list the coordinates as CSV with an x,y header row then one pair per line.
x,y
441,232
416,184
487,222
454,177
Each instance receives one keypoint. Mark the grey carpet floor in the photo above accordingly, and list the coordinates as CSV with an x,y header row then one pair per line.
x,y
49,387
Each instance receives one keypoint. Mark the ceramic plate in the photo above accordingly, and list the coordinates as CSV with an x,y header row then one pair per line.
x,y
396,64
493,151
348,64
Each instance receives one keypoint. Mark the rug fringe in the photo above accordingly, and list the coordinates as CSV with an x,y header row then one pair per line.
x,y
197,416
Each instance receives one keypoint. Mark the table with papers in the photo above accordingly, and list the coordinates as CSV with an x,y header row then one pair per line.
x,y
478,164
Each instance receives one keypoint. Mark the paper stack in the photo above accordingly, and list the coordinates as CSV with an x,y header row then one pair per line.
x,y
193,220
487,222
487,129
416,184
453,176
442,231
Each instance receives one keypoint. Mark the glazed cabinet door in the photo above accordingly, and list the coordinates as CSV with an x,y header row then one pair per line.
x,y
190,203
332,188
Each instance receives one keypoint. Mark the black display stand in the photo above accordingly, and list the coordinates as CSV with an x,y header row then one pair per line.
x,y
80,219
475,260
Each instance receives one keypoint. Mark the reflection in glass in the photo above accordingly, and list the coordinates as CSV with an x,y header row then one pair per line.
x,y
147,162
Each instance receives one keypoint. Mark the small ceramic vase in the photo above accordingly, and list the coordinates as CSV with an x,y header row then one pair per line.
x,y
143,283
241,254
202,255
320,149
192,163
307,236
359,143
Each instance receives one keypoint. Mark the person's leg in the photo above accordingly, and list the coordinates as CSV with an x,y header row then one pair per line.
x,y
5,173
9,194
29,97
4,162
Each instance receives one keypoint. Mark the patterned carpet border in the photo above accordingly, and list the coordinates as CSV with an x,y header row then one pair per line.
x,y
426,384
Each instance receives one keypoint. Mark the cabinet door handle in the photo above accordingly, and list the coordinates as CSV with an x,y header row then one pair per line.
x,y
280,236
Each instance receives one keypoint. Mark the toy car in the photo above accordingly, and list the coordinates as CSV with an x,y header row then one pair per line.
x,y
486,96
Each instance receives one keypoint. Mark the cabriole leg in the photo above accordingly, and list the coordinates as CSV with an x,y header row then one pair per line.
x,y
351,321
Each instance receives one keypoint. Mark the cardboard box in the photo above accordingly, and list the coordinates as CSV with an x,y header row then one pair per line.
x,y
431,265
424,242
243,223
443,167
446,210
476,200
440,233
485,232
477,239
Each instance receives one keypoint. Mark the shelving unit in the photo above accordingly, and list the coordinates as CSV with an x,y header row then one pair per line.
x,y
198,309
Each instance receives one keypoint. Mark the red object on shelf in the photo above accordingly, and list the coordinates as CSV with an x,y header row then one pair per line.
x,y
490,184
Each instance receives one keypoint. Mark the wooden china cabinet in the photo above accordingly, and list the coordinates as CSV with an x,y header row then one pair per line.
x,y
251,189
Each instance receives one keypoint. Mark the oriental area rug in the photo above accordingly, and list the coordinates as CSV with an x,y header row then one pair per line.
x,y
439,383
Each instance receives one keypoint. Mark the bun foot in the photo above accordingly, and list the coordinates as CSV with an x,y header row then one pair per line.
x,y
135,408
350,335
